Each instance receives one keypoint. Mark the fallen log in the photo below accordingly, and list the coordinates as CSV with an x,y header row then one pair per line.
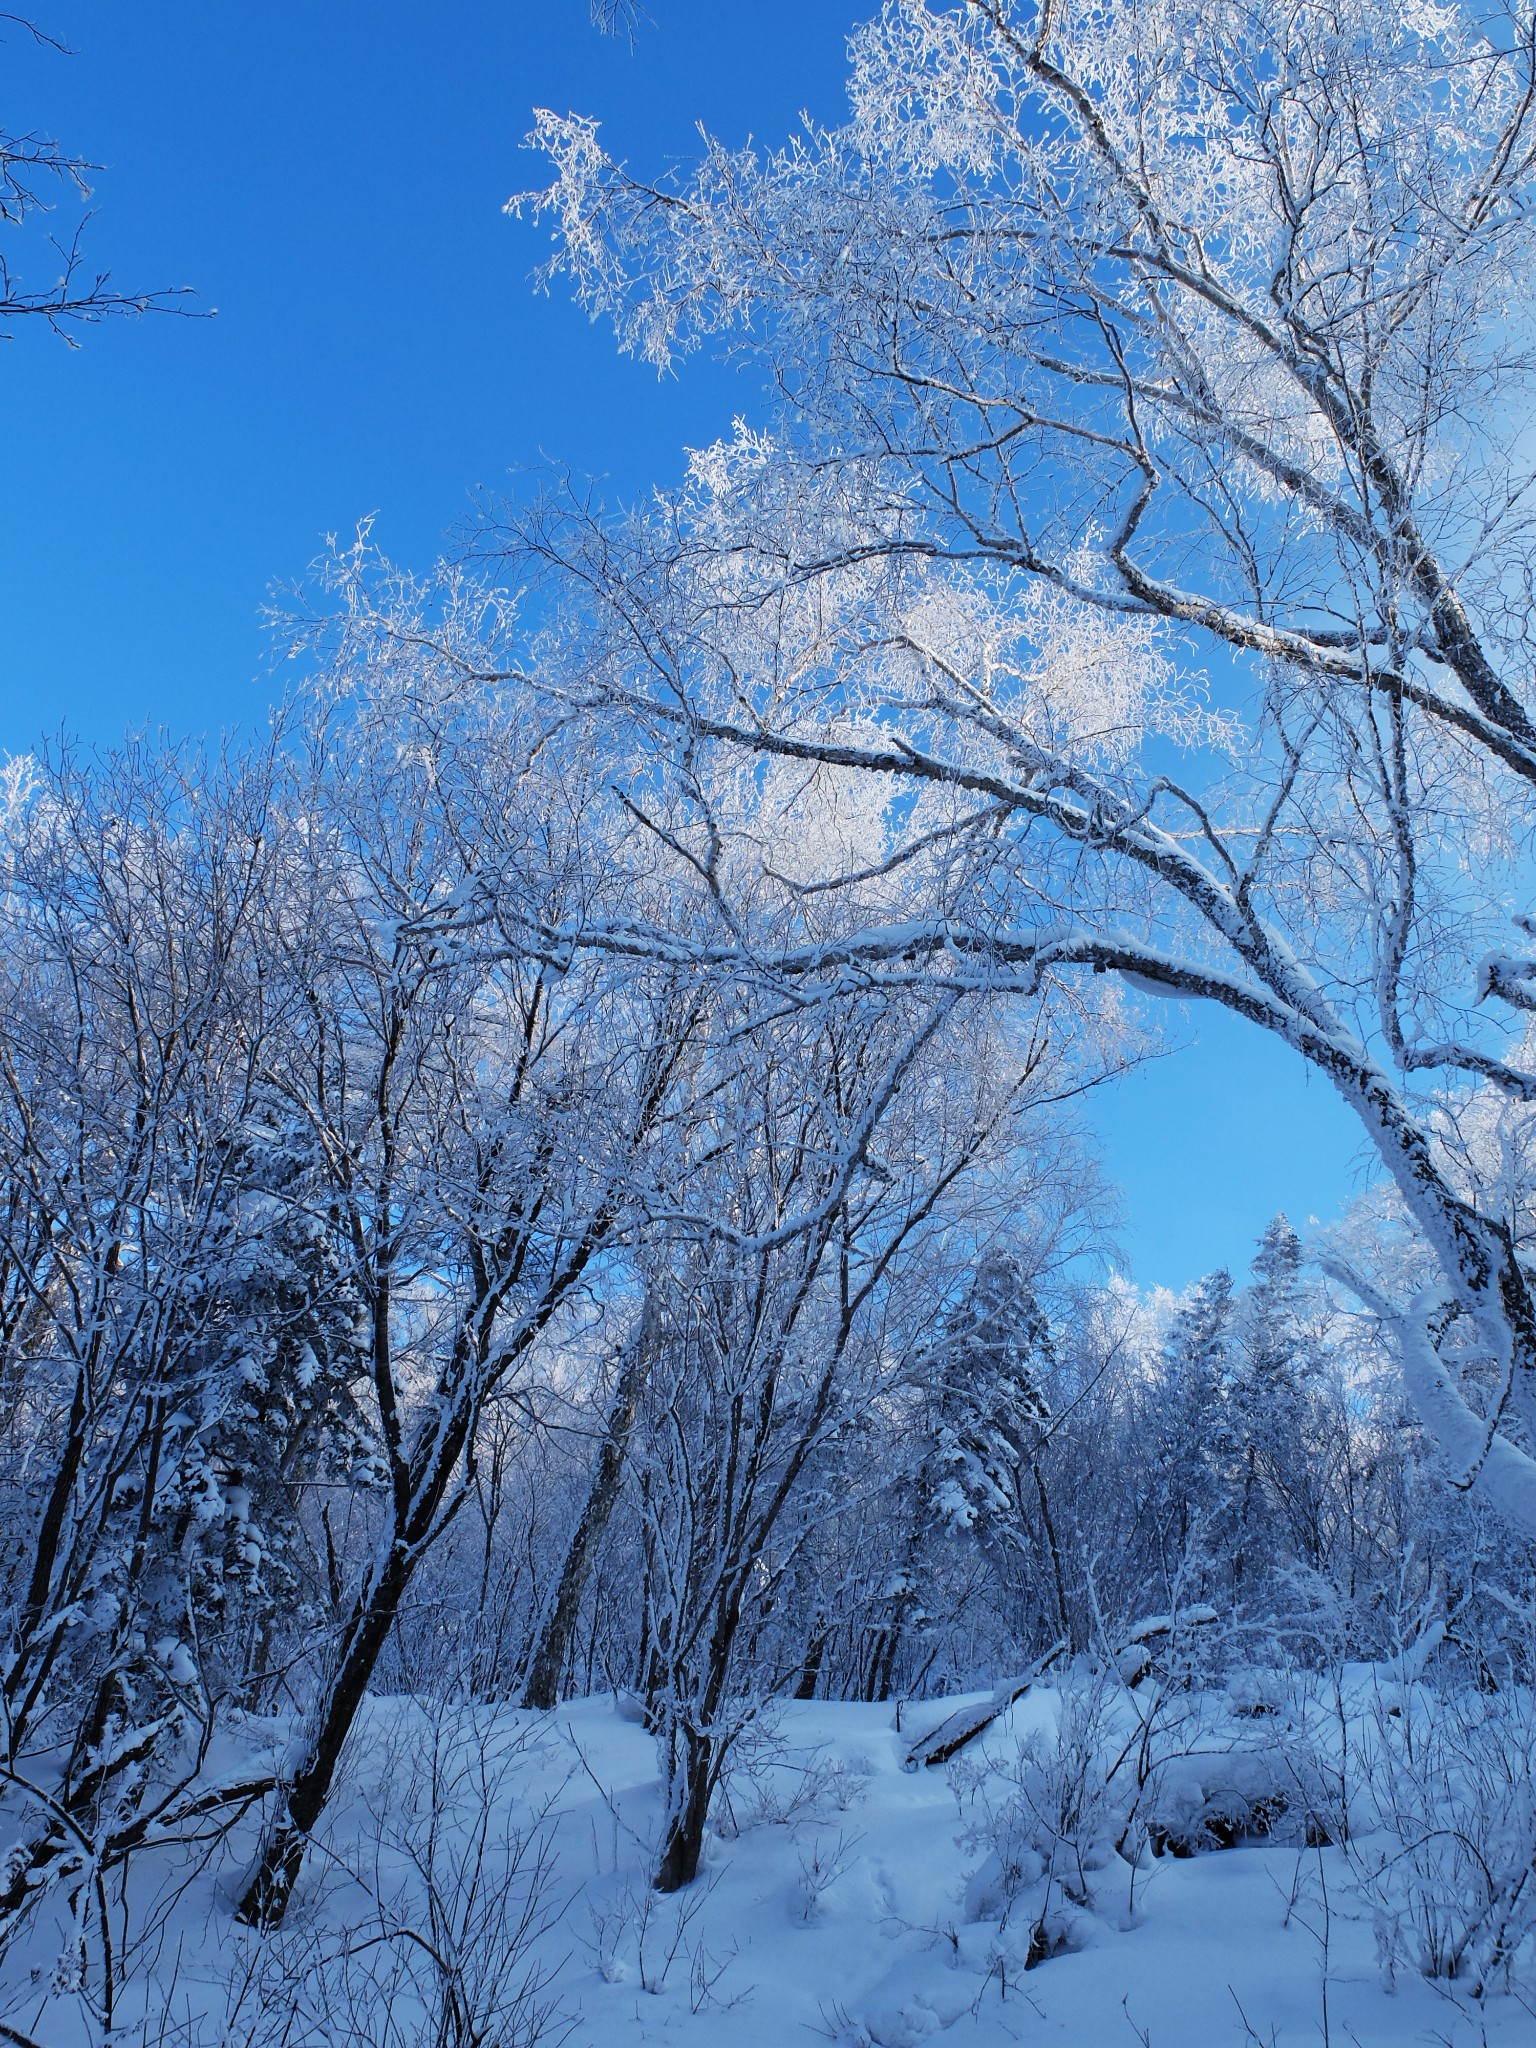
x,y
966,1723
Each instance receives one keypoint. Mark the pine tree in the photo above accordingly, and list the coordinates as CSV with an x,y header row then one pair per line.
x,y
983,1472
1190,1485
269,1404
1269,1402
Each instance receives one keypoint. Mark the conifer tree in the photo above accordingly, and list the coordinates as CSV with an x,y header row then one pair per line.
x,y
1189,1488
271,1400
985,1476
1270,1403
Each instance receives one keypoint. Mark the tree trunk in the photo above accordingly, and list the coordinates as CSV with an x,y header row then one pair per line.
x,y
266,1897
419,1517
1053,1546
553,1648
883,1677
703,1754
684,1844
810,1670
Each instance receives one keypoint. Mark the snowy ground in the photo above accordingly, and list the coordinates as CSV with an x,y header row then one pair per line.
x,y
836,1912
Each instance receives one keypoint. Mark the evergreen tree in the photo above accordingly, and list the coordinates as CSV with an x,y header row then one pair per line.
x,y
984,1474
1190,1477
270,1400
1274,1367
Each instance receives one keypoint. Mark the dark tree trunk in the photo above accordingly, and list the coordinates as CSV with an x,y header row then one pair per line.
x,y
422,1508
704,1756
266,1897
883,1663
880,1670
684,1844
810,1670
554,1644
422,1489
1058,1572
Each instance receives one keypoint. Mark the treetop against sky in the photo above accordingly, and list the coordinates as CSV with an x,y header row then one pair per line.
x,y
332,183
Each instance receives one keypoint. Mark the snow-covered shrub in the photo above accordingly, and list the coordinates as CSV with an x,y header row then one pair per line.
x,y
1444,1846
1255,1759
1162,1644
635,1931
428,1928
822,1863
774,1784
1046,1820
1217,1799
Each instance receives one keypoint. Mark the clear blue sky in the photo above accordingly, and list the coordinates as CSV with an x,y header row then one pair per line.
x,y
331,178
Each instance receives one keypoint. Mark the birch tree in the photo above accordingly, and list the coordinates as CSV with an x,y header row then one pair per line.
x,y
1153,448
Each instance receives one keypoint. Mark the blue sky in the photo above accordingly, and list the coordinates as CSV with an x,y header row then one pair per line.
x,y
331,178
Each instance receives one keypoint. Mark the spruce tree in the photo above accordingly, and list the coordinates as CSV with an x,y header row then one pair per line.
x,y
984,1469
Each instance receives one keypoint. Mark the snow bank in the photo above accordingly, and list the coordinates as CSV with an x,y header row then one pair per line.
x,y
841,1898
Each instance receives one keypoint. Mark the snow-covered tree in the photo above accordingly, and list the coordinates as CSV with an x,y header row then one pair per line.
x,y
1269,1403
1187,1429
132,1033
993,1368
271,1396
1114,339
837,1157
493,1123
